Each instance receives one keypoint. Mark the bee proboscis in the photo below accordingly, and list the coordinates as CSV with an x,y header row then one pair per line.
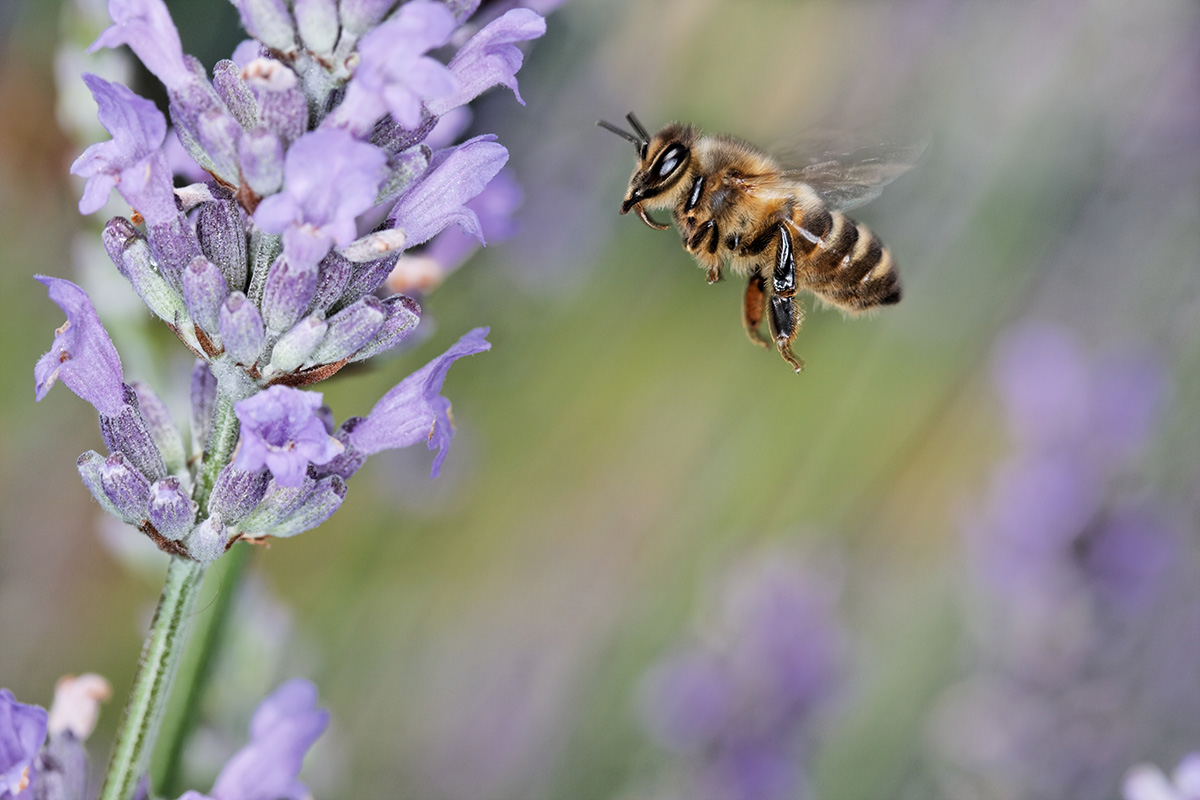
x,y
779,224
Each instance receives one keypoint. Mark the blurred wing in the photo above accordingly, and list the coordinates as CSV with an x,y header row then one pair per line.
x,y
847,175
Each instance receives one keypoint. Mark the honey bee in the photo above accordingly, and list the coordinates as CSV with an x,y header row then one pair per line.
x,y
779,224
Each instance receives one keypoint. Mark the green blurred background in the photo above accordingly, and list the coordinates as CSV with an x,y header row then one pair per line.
x,y
482,636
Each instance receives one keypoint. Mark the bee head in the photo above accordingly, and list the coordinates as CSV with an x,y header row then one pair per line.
x,y
663,160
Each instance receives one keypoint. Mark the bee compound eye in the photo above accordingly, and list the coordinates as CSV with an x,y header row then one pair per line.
x,y
669,161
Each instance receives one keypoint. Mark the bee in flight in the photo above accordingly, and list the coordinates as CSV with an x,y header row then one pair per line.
x,y
781,225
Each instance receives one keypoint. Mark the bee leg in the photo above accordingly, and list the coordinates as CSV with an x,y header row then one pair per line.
x,y
753,306
785,320
697,237
786,315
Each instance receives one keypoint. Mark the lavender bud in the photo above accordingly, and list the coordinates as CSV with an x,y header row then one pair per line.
x,y
264,249
278,503
89,465
287,292
218,133
204,291
375,246
172,512
227,80
241,329
131,254
295,346
350,329
173,245
204,402
269,22
62,768
403,314
359,16
317,21
126,488
282,108
236,492
261,156
128,433
367,278
222,236
403,169
319,506
334,274
206,543
158,419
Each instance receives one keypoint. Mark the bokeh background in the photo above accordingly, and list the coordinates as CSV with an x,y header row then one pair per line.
x,y
945,478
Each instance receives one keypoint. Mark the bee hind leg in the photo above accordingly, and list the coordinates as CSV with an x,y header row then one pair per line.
x,y
786,314
753,307
785,320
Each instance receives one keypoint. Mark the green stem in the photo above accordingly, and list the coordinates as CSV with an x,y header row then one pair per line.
x,y
198,673
152,684
221,441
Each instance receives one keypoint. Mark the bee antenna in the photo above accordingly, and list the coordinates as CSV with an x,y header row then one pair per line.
x,y
637,126
624,134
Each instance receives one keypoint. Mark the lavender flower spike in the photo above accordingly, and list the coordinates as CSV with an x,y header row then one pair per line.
x,y
146,26
491,58
329,179
281,431
82,354
22,731
133,161
455,175
394,75
284,726
414,409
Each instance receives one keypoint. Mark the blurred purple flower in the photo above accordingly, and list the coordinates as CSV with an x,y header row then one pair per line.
x,y
22,732
146,27
415,410
455,175
737,707
133,161
1082,595
282,432
329,179
395,76
284,726
82,354
490,58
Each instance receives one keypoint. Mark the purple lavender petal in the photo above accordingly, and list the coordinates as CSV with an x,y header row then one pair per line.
x,y
22,732
494,206
490,58
133,161
455,175
281,431
414,409
146,26
283,728
395,76
329,179
82,354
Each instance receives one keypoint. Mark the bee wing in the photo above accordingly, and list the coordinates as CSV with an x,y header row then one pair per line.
x,y
849,174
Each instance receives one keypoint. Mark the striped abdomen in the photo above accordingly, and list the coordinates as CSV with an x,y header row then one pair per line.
x,y
852,269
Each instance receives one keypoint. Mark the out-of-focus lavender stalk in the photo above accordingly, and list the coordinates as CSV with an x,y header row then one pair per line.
x,y
735,709
1083,617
